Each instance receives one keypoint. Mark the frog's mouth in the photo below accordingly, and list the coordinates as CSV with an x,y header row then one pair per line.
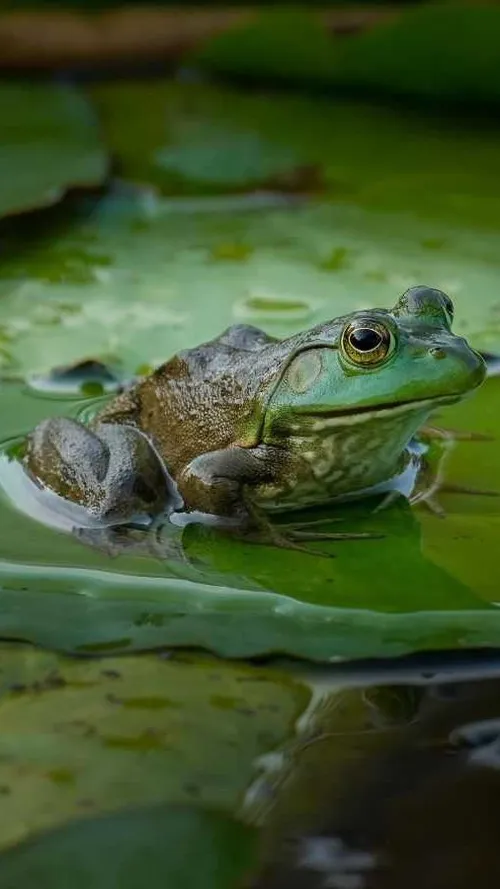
x,y
364,412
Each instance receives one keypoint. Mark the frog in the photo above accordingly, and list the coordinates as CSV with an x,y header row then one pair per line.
x,y
249,425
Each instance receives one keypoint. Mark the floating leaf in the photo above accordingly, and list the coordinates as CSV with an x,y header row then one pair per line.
x,y
149,846
194,139
463,42
50,143
162,290
277,46
84,737
388,57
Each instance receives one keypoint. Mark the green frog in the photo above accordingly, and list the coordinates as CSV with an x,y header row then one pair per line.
x,y
248,424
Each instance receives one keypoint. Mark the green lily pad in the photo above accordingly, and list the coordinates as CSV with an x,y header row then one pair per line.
x,y
140,278
289,46
196,138
86,737
50,143
148,846
462,41
390,57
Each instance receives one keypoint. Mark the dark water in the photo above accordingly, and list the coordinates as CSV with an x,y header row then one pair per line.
x,y
397,785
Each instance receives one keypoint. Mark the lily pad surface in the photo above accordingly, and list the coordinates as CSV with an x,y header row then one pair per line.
x,y
50,143
81,738
125,850
134,279
197,139
385,57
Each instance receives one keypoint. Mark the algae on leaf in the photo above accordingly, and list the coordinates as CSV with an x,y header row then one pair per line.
x,y
84,737
50,144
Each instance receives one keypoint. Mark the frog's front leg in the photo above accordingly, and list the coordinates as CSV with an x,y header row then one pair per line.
x,y
215,483
220,483
112,470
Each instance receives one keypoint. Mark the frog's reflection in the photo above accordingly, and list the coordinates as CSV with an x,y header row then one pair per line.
x,y
413,803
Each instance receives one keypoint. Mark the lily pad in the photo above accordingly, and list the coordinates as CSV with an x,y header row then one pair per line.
x,y
138,278
50,143
126,851
85,737
289,46
196,138
463,42
388,57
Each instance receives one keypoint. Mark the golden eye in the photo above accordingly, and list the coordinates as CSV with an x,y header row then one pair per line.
x,y
367,343
304,370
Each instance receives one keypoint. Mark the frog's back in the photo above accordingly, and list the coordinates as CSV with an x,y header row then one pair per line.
x,y
207,397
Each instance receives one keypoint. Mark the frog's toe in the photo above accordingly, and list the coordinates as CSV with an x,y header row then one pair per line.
x,y
347,535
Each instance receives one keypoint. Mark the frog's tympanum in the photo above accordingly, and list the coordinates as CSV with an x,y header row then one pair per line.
x,y
247,423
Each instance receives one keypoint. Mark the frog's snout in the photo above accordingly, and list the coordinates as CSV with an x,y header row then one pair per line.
x,y
465,367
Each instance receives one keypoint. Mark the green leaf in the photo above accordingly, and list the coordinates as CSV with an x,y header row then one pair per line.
x,y
157,846
435,52
432,52
196,139
86,737
288,46
178,273
50,143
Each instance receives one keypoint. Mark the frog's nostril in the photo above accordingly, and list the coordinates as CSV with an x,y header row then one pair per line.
x,y
438,353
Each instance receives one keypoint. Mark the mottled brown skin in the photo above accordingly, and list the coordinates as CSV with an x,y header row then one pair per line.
x,y
246,420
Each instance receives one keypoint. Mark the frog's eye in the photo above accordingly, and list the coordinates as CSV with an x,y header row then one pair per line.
x,y
304,370
367,343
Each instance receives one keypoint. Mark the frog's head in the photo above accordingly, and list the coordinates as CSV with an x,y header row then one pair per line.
x,y
374,363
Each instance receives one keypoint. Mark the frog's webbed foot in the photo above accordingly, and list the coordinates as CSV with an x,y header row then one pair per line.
x,y
111,471
296,535
294,538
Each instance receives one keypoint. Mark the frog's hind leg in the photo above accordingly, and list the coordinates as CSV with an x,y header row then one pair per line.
x,y
112,471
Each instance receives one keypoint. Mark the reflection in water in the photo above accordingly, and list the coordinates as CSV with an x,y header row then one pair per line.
x,y
396,786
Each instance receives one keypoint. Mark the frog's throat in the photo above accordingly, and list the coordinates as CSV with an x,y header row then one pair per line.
x,y
327,417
